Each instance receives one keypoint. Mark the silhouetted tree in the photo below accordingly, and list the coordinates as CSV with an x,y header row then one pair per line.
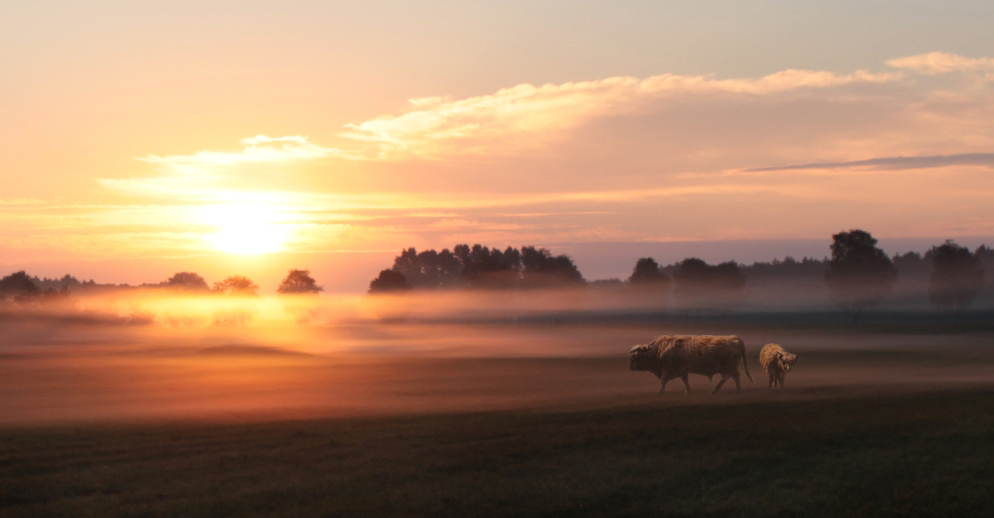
x,y
483,267
18,284
859,275
57,284
541,269
236,285
788,267
429,269
389,281
486,268
186,281
647,283
298,282
462,253
698,283
957,276
648,274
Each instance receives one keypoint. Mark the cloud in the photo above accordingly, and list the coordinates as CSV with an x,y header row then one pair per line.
x,y
935,63
525,115
893,163
258,150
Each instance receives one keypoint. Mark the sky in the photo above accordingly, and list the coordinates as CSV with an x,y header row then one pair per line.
x,y
138,139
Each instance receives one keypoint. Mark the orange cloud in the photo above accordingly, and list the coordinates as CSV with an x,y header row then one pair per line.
x,y
935,63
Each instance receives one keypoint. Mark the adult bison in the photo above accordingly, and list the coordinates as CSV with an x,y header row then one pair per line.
x,y
671,357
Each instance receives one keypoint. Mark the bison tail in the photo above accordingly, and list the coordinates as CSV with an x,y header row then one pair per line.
x,y
745,363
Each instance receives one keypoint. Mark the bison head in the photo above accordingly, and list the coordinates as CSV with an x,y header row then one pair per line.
x,y
787,361
640,357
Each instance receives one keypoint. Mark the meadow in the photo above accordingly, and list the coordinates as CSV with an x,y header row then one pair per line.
x,y
509,418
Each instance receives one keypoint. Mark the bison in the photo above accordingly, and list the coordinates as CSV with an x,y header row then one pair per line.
x,y
671,357
777,363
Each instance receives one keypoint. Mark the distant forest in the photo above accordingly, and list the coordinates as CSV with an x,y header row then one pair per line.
x,y
857,276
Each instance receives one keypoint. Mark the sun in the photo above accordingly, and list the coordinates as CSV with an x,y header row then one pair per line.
x,y
246,229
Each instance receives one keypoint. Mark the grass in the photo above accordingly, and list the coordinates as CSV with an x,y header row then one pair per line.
x,y
908,455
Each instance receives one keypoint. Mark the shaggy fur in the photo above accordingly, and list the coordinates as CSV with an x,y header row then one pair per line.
x,y
671,357
777,363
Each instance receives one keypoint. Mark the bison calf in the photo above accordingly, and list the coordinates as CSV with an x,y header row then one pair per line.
x,y
777,363
671,357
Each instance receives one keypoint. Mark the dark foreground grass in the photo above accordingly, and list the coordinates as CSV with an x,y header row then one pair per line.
x,y
908,455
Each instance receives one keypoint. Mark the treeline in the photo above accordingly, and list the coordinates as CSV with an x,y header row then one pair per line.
x,y
478,267
481,267
19,287
858,275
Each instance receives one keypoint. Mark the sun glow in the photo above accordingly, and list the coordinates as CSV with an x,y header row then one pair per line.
x,y
248,229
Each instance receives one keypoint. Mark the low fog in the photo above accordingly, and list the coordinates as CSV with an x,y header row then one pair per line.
x,y
149,355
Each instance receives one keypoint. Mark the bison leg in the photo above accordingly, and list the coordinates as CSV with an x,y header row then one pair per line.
x,y
735,378
773,381
724,378
686,382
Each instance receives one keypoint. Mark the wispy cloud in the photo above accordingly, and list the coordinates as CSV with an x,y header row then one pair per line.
x,y
258,150
526,115
892,163
942,63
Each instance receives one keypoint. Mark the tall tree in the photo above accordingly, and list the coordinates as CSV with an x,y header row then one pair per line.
x,y
648,275
859,275
298,282
957,276
541,269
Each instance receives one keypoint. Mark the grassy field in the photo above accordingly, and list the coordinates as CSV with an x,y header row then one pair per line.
x,y
925,454
490,420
